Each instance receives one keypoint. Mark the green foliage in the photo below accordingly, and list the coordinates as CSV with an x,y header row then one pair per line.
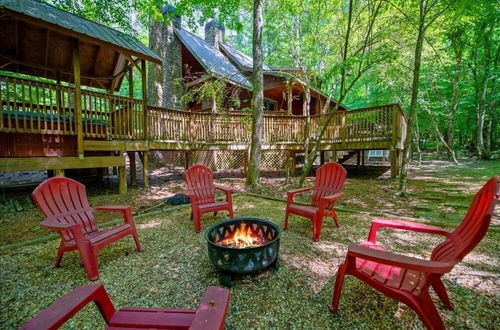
x,y
213,89
461,52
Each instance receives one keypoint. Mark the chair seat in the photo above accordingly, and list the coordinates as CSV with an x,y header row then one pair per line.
x,y
213,205
391,276
100,235
152,318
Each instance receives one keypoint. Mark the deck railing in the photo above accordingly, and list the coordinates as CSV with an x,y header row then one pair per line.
x,y
44,108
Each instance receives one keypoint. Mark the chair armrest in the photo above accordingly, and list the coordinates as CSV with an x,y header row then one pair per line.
x,y
298,191
290,194
211,314
324,201
124,209
226,190
333,197
398,260
68,305
406,225
120,208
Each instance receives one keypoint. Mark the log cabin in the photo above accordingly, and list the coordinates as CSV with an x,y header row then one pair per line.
x,y
59,74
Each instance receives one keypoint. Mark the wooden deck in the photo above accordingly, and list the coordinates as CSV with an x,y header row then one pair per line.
x,y
33,111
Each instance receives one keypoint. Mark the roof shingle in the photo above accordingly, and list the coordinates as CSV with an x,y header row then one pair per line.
x,y
211,59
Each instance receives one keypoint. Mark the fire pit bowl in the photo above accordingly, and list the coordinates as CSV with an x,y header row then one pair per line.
x,y
243,246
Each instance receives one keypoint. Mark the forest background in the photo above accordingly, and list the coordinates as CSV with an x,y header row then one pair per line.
x,y
458,75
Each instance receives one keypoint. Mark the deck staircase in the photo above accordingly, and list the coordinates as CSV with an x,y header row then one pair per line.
x,y
343,156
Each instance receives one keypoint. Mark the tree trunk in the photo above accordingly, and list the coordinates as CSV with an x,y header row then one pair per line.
x,y
309,160
253,174
481,96
440,137
403,178
490,137
307,133
417,143
450,131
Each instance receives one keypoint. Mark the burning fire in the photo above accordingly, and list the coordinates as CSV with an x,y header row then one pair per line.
x,y
242,238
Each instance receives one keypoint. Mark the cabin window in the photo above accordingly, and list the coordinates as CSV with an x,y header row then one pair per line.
x,y
270,105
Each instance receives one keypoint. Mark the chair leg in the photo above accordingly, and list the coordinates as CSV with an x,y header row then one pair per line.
x,y
337,291
59,256
215,213
89,258
427,311
197,221
285,227
136,240
440,290
317,226
231,212
334,216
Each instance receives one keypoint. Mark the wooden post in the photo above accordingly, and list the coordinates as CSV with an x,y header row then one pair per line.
x,y
133,168
343,128
122,179
245,161
100,174
290,98
144,159
131,83
144,101
334,156
394,166
58,92
58,172
304,105
78,99
293,154
188,157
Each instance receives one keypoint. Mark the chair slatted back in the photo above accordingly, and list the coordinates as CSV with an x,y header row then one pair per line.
x,y
472,228
330,179
200,180
65,201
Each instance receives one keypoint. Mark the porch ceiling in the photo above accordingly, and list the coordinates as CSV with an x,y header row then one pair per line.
x,y
38,40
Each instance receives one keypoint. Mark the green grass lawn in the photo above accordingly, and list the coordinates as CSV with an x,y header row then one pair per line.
x,y
174,270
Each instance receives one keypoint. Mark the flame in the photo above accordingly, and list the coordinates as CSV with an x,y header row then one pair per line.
x,y
242,238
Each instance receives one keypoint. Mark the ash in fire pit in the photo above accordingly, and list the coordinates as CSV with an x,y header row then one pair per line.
x,y
243,246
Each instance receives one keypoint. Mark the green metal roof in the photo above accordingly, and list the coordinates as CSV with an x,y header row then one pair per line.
x,y
64,19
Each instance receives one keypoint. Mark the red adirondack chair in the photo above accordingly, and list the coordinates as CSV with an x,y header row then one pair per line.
x,y
330,179
201,193
407,279
211,313
66,209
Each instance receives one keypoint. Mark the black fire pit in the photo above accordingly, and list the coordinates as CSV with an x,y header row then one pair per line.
x,y
243,246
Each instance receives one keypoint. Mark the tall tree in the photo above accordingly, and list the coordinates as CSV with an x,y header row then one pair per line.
x,y
482,62
425,18
359,54
253,174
